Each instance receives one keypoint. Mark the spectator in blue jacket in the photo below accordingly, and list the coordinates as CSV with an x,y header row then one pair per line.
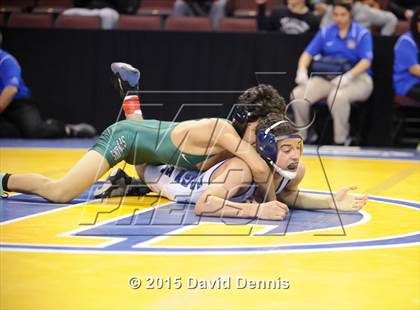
x,y
345,41
406,62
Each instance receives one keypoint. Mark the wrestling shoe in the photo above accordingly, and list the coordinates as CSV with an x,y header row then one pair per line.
x,y
81,130
126,78
120,184
3,194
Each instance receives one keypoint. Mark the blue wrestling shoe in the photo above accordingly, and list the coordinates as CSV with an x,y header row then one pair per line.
x,y
126,78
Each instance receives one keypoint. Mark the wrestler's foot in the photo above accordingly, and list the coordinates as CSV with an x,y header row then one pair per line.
x,y
120,184
126,78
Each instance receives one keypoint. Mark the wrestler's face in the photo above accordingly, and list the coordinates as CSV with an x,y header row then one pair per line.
x,y
288,154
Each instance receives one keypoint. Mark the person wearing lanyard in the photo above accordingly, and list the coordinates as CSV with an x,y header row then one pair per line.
x,y
406,61
367,16
345,39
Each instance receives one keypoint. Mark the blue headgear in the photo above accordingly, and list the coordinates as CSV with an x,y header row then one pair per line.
x,y
267,147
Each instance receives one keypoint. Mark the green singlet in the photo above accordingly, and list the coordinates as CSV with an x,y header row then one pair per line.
x,y
146,141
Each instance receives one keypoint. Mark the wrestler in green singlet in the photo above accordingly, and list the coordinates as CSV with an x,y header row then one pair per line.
x,y
146,141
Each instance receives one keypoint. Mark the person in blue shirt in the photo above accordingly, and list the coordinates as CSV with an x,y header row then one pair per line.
x,y
350,43
19,115
406,62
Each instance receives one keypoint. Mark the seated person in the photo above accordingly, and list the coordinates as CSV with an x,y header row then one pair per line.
x,y
349,43
295,18
19,115
228,190
367,16
406,62
215,9
403,9
108,10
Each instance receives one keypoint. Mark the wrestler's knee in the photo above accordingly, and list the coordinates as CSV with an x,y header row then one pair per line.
x,y
59,192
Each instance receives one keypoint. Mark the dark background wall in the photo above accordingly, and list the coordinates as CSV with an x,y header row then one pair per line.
x,y
68,72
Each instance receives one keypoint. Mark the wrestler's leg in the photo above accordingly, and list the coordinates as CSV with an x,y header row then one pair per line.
x,y
132,108
80,177
140,170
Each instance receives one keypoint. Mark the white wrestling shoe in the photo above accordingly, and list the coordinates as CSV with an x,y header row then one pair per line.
x,y
126,78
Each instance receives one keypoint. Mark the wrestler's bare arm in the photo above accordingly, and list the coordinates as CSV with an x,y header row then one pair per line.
x,y
234,176
344,201
228,139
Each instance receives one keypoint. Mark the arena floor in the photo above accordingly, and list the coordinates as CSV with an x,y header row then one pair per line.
x,y
150,253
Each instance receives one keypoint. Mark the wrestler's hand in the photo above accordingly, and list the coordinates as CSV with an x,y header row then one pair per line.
x,y
348,202
272,210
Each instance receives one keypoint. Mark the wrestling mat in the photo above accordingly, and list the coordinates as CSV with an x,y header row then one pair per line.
x,y
151,253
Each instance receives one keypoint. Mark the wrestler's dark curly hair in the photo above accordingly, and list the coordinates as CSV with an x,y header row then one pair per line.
x,y
259,101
